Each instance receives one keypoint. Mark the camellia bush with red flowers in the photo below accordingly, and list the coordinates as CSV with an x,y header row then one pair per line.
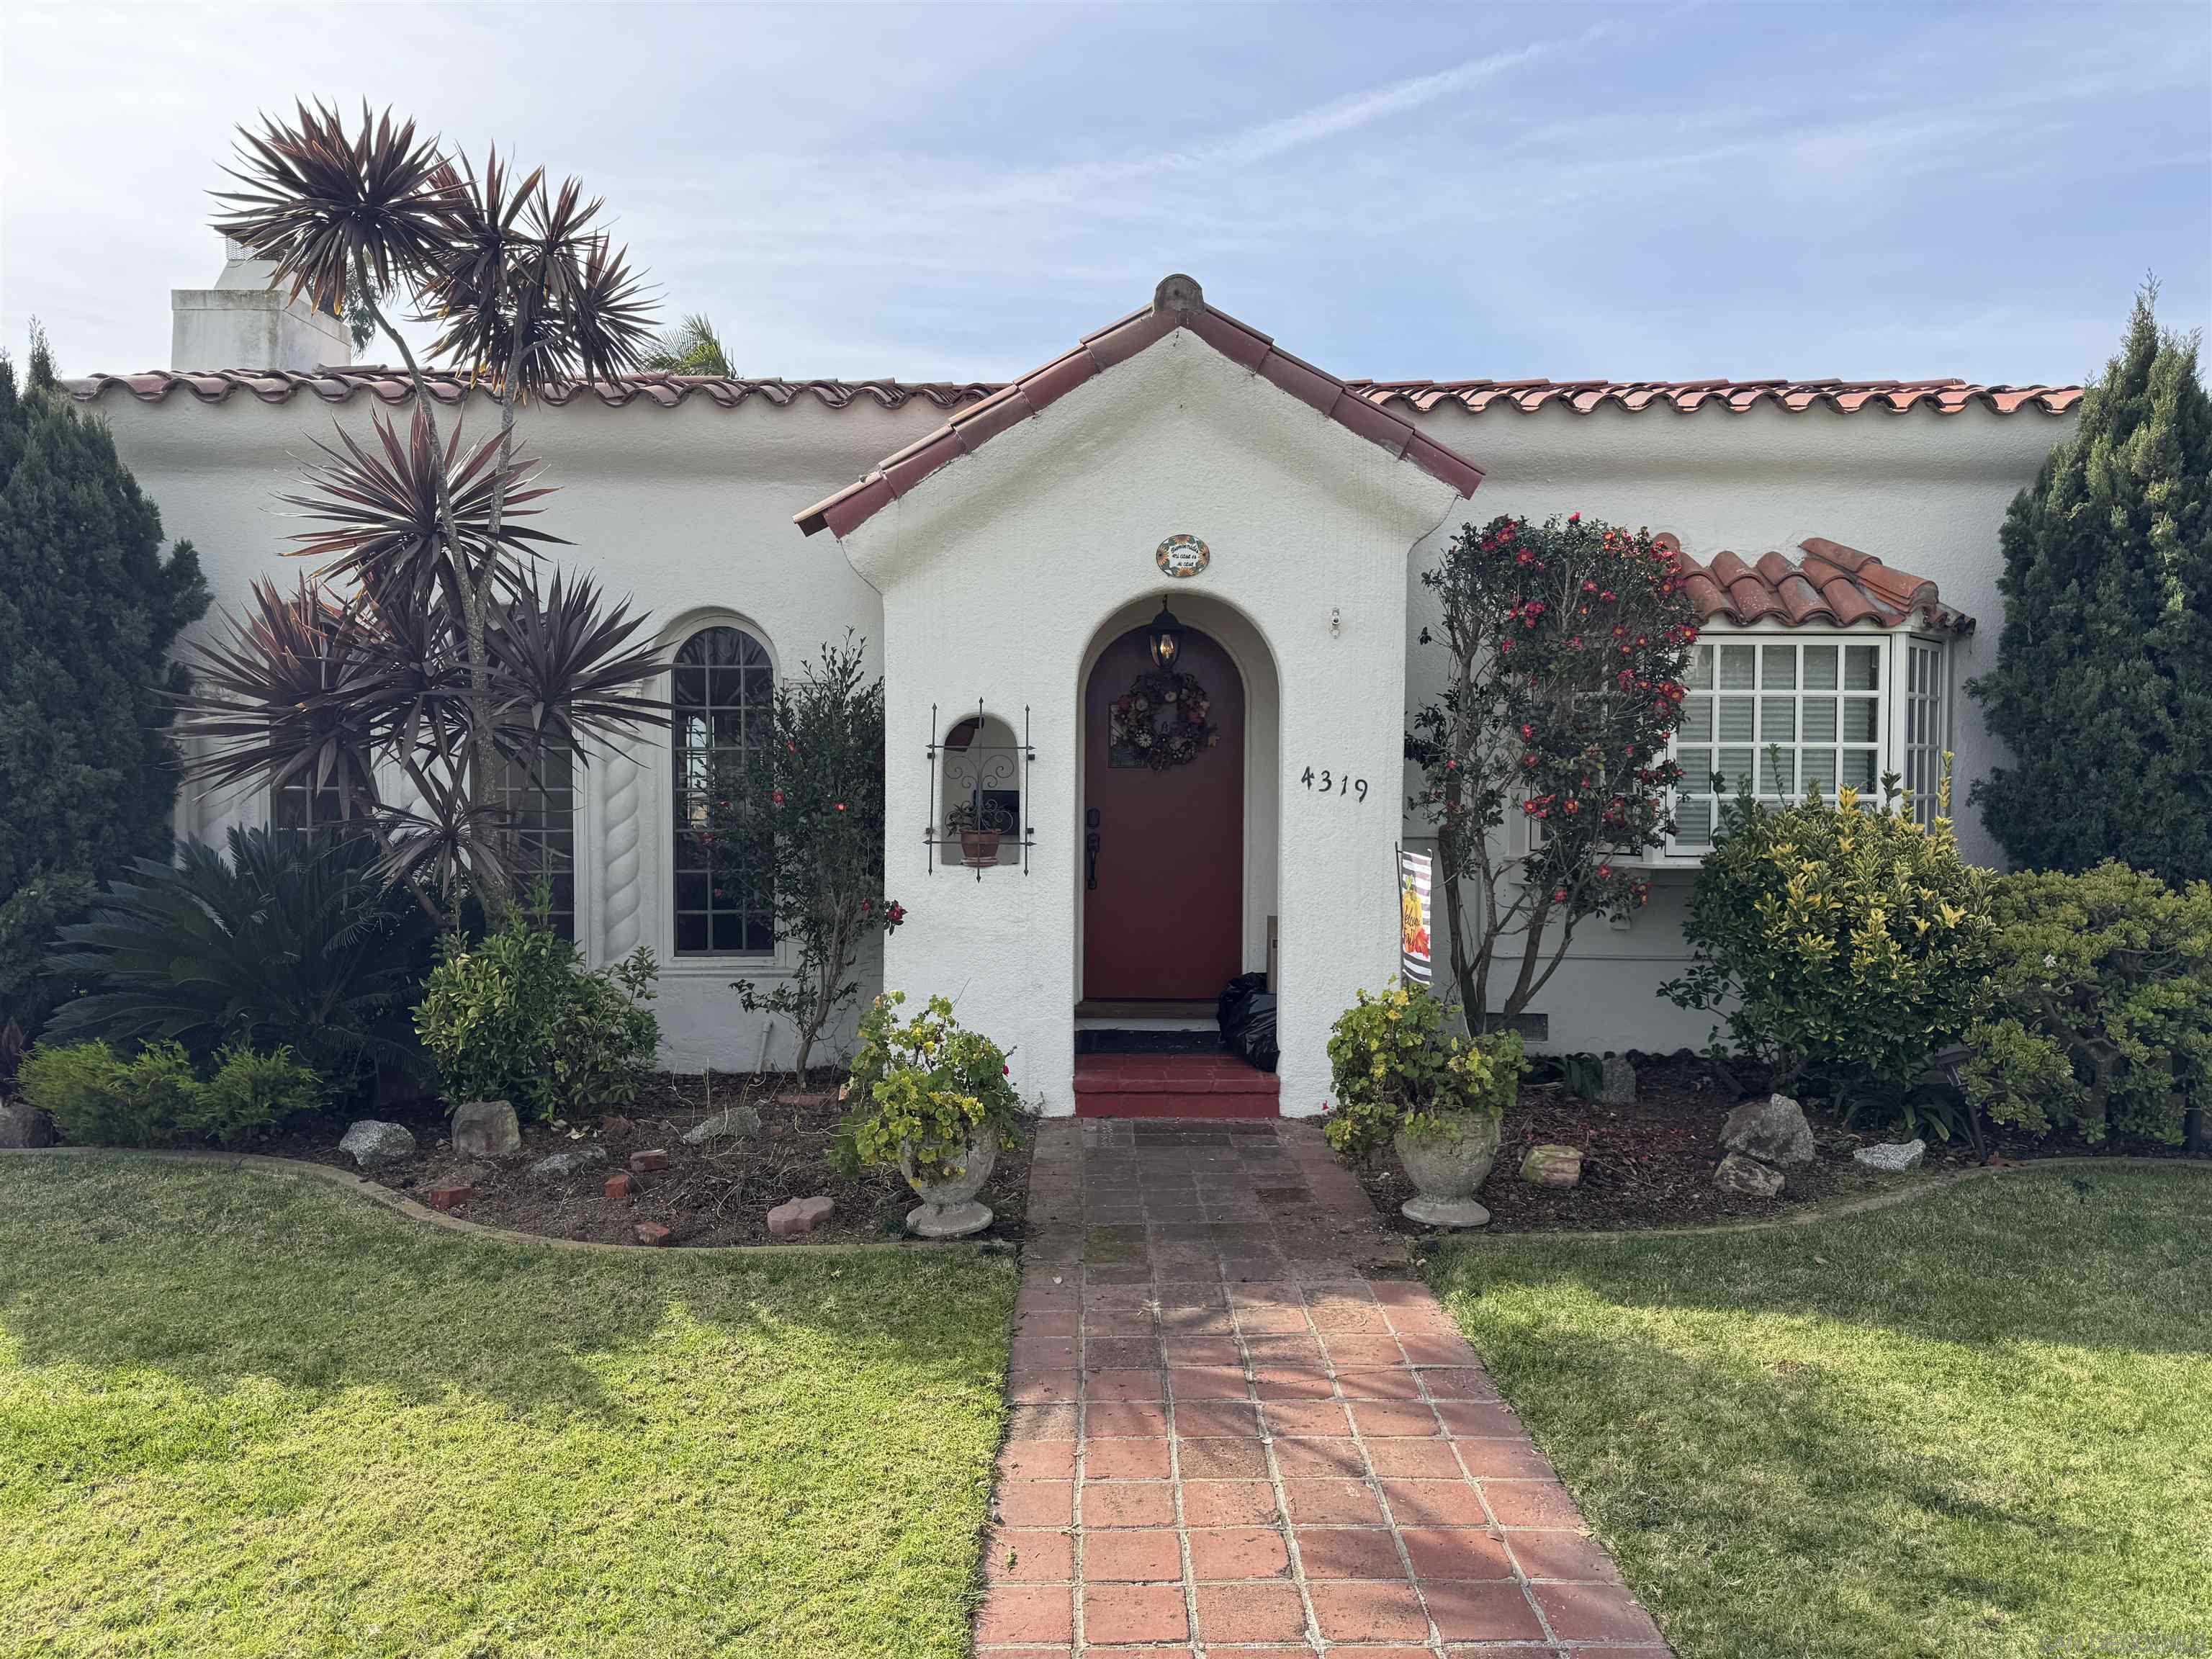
x,y
802,817
1566,644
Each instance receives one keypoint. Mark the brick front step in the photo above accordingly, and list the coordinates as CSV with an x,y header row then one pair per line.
x,y
1172,1086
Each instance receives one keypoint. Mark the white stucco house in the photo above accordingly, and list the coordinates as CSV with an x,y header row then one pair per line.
x,y
1004,547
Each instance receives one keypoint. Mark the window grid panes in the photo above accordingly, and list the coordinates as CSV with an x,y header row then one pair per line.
x,y
295,805
1924,737
722,693
542,813
1783,716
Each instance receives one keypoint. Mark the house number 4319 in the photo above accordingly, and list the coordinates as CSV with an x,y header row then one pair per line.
x,y
1329,784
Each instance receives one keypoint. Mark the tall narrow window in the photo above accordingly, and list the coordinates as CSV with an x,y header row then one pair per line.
x,y
1778,718
722,692
297,805
541,804
1924,736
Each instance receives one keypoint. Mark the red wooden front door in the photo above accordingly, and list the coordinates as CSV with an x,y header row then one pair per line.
x,y
1163,851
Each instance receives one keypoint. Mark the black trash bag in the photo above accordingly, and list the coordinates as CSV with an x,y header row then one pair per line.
x,y
1234,1006
1256,1043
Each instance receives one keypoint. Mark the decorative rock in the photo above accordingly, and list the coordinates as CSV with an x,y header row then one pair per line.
x,y
622,1187
22,1124
1552,1166
1892,1156
801,1215
648,1163
651,1232
1773,1131
574,1161
1747,1177
369,1143
486,1128
1619,1088
449,1197
736,1122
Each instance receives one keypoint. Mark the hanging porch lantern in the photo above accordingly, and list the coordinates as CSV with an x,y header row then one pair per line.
x,y
1164,635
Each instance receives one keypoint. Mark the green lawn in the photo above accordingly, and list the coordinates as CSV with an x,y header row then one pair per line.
x,y
1978,1424
242,1415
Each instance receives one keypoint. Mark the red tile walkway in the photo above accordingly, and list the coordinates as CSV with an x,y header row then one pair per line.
x,y
1241,1431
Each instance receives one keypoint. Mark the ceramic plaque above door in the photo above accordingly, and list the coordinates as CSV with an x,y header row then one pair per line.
x,y
1182,556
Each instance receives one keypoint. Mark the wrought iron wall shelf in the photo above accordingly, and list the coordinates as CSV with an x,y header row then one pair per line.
x,y
988,771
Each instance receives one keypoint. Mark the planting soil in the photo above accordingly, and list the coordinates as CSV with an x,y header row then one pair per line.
x,y
1647,1164
718,1193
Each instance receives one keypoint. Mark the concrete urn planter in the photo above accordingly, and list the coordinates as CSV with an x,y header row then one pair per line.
x,y
948,1207
1447,1164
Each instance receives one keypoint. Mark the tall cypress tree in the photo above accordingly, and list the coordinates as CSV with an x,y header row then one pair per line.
x,y
2103,682
88,610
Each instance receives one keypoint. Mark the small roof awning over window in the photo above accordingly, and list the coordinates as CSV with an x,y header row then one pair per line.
x,y
1826,585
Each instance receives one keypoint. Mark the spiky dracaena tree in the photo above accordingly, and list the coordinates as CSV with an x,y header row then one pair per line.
x,y
427,638
2103,683
1565,645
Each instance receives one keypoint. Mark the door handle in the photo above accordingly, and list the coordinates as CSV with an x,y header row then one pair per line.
x,y
1090,849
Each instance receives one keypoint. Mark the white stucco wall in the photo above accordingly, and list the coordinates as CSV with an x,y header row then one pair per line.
x,y
1005,570
1049,532
1923,492
686,511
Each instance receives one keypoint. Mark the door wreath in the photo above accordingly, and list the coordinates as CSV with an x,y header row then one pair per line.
x,y
1141,738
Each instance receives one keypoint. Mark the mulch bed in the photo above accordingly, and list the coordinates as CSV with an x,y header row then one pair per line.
x,y
1651,1164
719,1192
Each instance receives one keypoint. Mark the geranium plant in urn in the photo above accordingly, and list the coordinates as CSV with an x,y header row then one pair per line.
x,y
933,1100
1437,1099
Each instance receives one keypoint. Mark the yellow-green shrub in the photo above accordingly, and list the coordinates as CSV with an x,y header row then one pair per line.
x,y
2102,1017
1845,944
154,1097
1394,1065
928,1084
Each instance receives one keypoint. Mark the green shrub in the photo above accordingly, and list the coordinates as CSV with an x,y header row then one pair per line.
x,y
928,1084
292,941
2103,1019
1846,944
154,1099
519,1017
1395,1067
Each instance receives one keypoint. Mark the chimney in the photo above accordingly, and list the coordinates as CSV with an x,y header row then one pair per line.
x,y
243,323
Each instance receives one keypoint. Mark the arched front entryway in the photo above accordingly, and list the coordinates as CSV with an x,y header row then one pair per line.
x,y
1176,862
1163,822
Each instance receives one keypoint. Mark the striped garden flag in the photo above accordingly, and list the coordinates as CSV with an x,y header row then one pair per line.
x,y
1413,916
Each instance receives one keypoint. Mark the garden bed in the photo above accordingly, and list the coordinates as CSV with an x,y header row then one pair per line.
x,y
1650,1164
716,1194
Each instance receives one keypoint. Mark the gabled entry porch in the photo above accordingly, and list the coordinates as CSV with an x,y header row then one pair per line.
x,y
1024,552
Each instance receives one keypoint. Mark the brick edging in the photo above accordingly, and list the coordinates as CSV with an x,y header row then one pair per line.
x,y
400,1204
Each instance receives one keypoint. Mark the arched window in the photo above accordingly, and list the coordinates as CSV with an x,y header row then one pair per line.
x,y
981,811
722,691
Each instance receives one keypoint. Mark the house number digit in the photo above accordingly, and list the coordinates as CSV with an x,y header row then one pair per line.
x,y
1333,785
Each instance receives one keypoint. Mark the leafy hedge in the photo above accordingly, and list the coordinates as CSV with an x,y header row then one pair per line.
x,y
1843,943
155,1098
2102,1021
519,1017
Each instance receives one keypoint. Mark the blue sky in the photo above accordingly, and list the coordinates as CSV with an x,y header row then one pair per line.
x,y
952,191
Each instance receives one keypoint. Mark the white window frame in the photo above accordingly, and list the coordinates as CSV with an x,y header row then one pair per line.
x,y
1912,722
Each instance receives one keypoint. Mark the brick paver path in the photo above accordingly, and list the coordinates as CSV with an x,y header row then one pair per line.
x,y
1243,1431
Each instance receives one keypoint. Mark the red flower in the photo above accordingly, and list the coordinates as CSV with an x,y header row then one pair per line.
x,y
1574,518
777,797
840,806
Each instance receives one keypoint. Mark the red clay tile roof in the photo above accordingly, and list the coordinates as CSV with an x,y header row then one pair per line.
x,y
1829,586
337,385
1944,397
1177,302
391,386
